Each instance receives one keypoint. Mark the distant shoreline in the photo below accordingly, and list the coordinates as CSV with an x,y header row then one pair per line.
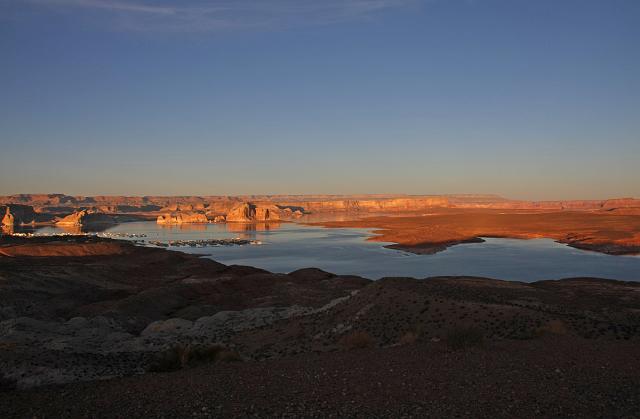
x,y
610,233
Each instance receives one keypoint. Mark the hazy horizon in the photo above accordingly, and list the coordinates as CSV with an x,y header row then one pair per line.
x,y
373,194
528,100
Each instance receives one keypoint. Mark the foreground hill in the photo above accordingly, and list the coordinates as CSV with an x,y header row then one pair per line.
x,y
546,377
310,343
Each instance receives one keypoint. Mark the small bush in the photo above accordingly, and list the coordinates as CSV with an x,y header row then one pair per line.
x,y
465,337
182,356
357,340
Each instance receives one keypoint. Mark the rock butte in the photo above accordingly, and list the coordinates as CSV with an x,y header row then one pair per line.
x,y
184,217
248,212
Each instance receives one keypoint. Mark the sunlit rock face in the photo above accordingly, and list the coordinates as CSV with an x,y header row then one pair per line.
x,y
8,219
242,213
85,217
248,212
183,218
244,228
17,215
212,206
267,213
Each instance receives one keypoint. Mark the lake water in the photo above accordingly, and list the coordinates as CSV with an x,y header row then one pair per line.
x,y
290,246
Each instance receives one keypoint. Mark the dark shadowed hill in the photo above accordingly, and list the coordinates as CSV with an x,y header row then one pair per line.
x,y
162,326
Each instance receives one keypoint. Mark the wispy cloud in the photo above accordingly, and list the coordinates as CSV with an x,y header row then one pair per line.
x,y
213,15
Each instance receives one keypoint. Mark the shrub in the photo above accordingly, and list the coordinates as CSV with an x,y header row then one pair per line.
x,y
357,340
465,337
182,356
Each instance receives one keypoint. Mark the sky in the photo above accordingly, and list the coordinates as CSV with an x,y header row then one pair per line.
x,y
529,99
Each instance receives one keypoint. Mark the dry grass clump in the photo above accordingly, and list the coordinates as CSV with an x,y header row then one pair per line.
x,y
465,337
182,356
357,340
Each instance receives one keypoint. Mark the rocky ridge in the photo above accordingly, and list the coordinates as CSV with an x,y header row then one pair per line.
x,y
316,203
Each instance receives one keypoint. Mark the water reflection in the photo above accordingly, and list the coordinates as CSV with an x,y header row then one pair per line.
x,y
249,228
71,229
184,227
338,216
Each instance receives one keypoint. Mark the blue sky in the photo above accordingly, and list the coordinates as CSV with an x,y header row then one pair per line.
x,y
528,99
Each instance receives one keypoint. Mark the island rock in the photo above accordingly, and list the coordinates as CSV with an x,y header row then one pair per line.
x,y
248,212
186,217
85,217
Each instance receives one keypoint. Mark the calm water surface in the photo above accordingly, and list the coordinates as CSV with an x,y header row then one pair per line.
x,y
289,246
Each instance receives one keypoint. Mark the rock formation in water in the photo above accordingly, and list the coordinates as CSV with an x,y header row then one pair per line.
x,y
187,217
17,215
248,212
8,219
85,217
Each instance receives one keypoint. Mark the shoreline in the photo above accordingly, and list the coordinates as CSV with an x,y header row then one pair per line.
x,y
435,232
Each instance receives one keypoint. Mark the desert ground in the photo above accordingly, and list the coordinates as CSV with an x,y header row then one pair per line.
x,y
87,324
